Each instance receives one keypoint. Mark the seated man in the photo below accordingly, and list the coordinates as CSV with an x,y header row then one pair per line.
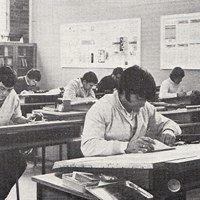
x,y
124,122
28,82
172,86
108,83
12,162
81,87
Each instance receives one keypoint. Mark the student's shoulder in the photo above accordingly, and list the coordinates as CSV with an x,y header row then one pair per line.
x,y
165,82
13,95
106,78
74,82
105,104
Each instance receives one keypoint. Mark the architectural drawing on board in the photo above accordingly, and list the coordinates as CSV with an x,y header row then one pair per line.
x,y
180,41
103,44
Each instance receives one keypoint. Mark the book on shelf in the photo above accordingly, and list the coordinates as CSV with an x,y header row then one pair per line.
x,y
2,61
24,63
9,61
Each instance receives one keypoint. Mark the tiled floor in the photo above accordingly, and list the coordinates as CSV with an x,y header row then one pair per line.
x,y
28,187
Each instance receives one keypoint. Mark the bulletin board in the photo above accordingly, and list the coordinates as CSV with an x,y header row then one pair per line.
x,y
102,44
180,41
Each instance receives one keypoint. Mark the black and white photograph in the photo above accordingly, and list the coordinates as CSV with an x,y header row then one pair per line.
x,y
99,99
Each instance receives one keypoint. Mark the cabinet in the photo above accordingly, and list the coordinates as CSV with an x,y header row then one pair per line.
x,y
21,56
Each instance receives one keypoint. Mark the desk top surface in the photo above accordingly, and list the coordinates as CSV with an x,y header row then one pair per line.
x,y
181,110
134,160
177,98
56,113
40,125
37,104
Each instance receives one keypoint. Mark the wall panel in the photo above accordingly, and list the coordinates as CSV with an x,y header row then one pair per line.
x,y
49,14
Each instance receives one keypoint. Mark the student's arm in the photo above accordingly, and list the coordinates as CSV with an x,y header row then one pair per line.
x,y
17,117
70,91
92,94
164,91
161,127
93,139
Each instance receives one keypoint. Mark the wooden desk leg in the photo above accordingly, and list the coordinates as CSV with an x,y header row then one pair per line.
x,y
60,151
17,189
43,160
34,156
39,192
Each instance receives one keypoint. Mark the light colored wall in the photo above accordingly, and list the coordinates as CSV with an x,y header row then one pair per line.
x,y
47,16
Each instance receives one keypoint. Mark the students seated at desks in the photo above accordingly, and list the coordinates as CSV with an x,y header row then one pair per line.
x,y
124,122
12,162
172,86
108,83
29,82
80,88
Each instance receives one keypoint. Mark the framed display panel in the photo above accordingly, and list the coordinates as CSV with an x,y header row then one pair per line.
x,y
180,41
102,44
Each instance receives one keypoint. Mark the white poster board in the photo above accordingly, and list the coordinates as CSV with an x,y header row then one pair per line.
x,y
103,44
180,41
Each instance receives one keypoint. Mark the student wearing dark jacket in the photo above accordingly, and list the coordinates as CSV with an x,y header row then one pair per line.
x,y
28,82
108,83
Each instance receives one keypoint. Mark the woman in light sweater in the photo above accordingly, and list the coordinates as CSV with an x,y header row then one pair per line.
x,y
172,86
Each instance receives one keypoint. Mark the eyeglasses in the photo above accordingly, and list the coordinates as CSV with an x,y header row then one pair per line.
x,y
5,89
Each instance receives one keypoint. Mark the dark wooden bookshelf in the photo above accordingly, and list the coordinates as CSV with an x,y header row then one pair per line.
x,y
21,56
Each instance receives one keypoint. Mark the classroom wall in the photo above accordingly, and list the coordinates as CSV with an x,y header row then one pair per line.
x,y
47,15
19,18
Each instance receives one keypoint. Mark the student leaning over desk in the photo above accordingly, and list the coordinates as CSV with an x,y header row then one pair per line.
x,y
124,122
12,162
172,87
29,82
81,88
109,83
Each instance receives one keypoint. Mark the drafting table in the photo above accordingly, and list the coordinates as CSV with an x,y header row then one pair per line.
x,y
40,134
160,173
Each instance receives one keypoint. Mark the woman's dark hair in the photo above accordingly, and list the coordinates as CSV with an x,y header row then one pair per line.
x,y
136,80
34,74
177,72
8,76
90,77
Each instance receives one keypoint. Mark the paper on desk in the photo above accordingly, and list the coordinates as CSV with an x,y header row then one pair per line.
x,y
189,93
55,91
26,92
159,146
